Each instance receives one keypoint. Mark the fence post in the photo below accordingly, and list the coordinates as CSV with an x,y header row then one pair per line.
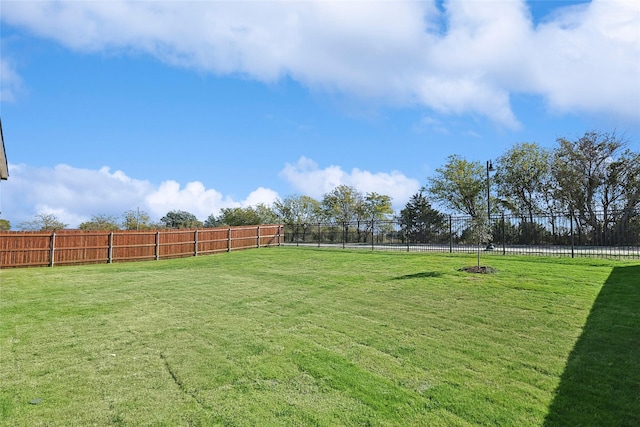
x,y
318,233
504,238
110,252
258,242
229,239
450,234
572,235
373,222
195,243
52,249
280,229
344,234
157,248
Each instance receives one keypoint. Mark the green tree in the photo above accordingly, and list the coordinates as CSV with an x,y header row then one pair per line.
x,y
260,214
595,173
180,219
43,222
374,209
136,220
522,178
298,212
296,209
419,222
212,221
377,206
266,214
460,185
5,225
100,222
238,216
342,204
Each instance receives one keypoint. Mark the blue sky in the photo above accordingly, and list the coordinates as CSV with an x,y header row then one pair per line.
x,y
112,106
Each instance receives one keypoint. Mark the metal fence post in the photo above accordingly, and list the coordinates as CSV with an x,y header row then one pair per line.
x,y
372,234
52,249
344,234
229,239
450,234
110,252
504,238
157,246
572,235
195,243
258,242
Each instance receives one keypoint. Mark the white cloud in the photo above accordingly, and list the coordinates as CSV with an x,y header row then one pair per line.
x,y
306,177
194,198
10,81
594,54
261,195
74,195
470,59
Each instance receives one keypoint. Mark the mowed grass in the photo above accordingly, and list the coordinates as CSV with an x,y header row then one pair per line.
x,y
292,336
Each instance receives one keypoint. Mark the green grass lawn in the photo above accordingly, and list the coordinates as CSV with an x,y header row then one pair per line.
x,y
292,336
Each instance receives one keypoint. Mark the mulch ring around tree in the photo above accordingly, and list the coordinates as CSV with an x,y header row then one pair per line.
x,y
483,269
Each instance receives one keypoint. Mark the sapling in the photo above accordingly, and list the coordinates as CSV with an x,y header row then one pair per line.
x,y
480,231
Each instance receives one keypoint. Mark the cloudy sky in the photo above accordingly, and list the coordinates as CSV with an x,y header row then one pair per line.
x,y
109,106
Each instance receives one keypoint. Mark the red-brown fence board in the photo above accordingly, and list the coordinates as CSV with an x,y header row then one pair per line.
x,y
213,240
81,247
134,246
65,247
26,248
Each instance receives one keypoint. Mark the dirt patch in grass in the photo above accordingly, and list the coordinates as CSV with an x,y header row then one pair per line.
x,y
483,269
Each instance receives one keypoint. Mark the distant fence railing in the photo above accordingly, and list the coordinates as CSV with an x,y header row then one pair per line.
x,y
558,235
65,247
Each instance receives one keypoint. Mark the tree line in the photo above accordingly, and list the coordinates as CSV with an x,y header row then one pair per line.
x,y
594,178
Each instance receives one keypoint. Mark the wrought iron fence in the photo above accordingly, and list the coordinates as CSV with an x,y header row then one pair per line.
x,y
600,235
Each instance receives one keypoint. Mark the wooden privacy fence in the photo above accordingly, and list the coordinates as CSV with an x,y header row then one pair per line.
x,y
64,247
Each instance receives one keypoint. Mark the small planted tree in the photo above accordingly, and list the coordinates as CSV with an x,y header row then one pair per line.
x,y
480,232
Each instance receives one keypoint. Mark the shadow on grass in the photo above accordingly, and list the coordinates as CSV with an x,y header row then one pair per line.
x,y
601,382
421,275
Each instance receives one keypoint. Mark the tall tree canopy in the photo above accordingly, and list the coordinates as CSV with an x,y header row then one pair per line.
x,y
296,209
595,173
419,222
180,219
250,215
522,179
136,220
100,222
376,207
342,204
43,222
460,185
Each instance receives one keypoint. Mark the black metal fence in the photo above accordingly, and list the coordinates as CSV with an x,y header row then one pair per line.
x,y
552,235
